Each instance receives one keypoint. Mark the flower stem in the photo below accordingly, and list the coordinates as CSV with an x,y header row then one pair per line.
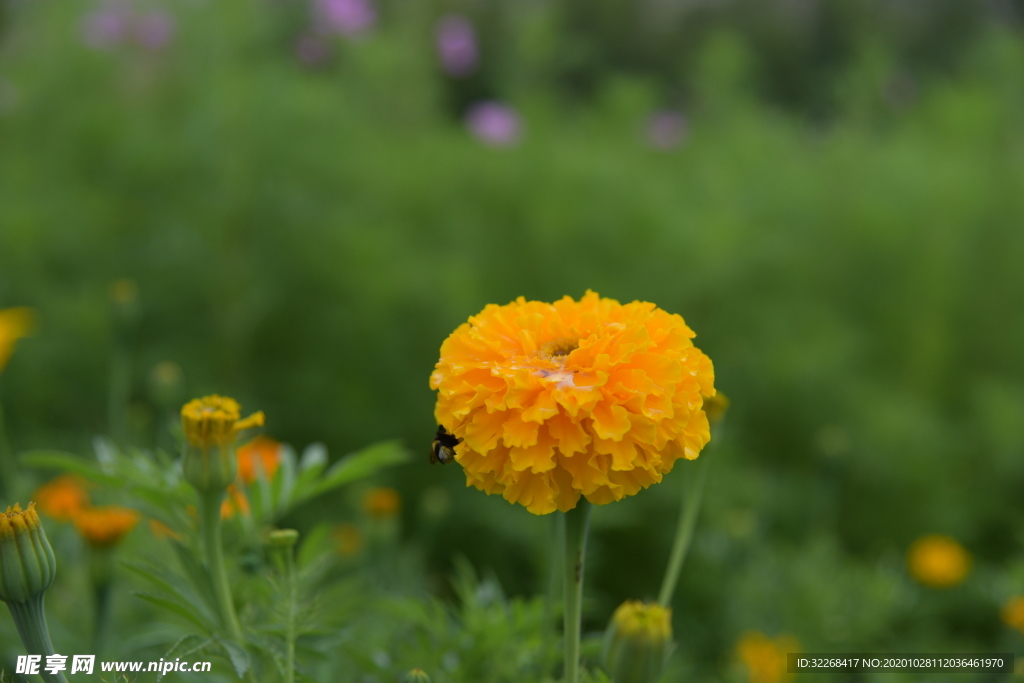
x,y
30,619
577,521
8,465
289,674
693,491
209,511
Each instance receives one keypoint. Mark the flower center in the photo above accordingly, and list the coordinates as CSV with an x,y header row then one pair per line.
x,y
560,348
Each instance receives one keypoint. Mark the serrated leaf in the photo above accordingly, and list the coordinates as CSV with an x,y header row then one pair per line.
x,y
359,465
197,574
238,656
174,587
171,604
183,647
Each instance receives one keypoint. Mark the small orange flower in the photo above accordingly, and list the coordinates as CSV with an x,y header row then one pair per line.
x,y
765,658
234,503
382,503
62,498
263,452
161,530
1013,613
348,540
15,323
105,526
938,561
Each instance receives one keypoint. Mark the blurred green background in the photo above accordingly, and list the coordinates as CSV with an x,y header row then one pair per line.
x,y
834,203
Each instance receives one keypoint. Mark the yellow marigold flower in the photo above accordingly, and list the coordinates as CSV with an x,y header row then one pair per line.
x,y
382,503
1013,613
234,503
215,421
765,658
555,401
262,452
161,530
938,561
15,323
62,498
348,540
637,642
105,526
27,563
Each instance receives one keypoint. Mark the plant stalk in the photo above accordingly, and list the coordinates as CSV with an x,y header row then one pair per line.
x,y
30,619
577,522
693,491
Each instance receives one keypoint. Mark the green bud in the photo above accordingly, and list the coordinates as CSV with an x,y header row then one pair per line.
x,y
637,642
27,564
416,676
283,538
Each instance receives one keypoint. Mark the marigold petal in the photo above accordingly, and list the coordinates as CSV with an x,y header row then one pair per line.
x,y
610,421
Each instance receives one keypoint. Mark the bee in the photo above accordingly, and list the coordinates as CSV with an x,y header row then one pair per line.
x,y
443,448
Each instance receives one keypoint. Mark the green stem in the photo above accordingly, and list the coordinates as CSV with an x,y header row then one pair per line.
x,y
694,490
289,675
30,619
8,465
577,521
209,515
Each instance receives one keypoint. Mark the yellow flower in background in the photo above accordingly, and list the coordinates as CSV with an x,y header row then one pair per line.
x,y
262,452
382,503
15,323
938,561
764,658
1013,613
348,540
215,421
161,530
105,526
234,503
555,401
62,498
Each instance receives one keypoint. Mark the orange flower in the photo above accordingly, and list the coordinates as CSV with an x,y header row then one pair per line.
x,y
938,561
105,526
347,539
62,498
765,658
382,503
234,503
555,401
262,450
15,323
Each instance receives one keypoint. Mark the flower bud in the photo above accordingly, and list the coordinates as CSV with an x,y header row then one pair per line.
x,y
416,676
211,425
716,406
637,642
283,538
27,564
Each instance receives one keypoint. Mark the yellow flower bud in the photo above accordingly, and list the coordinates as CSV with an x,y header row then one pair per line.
x,y
27,564
211,425
637,642
716,406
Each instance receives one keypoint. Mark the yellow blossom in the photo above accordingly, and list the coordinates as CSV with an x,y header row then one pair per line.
x,y
15,323
382,503
938,561
348,540
1013,613
637,642
105,526
765,658
555,401
215,421
262,453
62,498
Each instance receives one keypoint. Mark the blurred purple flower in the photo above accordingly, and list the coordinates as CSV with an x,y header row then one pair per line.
x,y
312,50
154,30
106,28
667,129
456,45
494,123
347,17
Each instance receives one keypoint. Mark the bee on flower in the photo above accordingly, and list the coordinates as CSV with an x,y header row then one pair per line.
x,y
587,398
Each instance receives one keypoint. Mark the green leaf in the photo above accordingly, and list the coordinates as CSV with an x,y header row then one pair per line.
x,y
175,587
238,656
359,465
171,604
68,462
196,573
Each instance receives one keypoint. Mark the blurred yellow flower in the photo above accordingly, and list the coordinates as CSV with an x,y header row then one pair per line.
x,y
938,561
161,530
765,658
1013,613
15,323
263,451
348,540
105,526
62,498
555,401
382,503
234,503
215,421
